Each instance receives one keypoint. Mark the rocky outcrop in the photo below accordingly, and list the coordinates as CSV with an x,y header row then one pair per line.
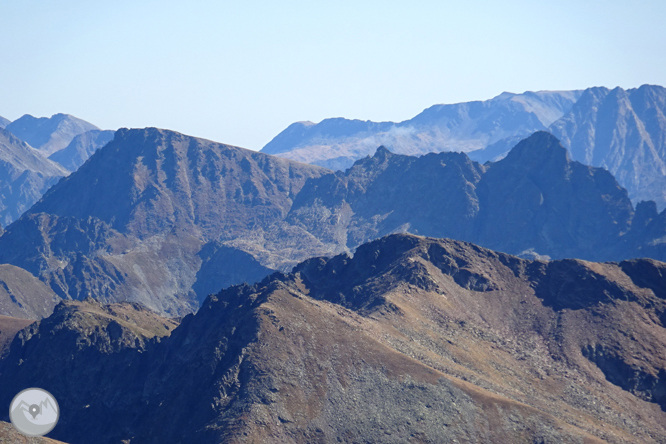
x,y
411,339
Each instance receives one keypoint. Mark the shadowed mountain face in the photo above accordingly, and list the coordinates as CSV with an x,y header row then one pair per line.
x,y
4,122
81,148
502,121
412,339
623,131
536,201
24,176
49,134
142,217
165,219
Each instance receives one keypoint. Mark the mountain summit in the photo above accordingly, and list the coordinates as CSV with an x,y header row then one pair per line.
x,y
49,134
499,123
142,218
411,339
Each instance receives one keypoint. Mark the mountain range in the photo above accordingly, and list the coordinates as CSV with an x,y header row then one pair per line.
x,y
25,175
620,130
412,339
25,171
465,127
148,219
48,135
165,219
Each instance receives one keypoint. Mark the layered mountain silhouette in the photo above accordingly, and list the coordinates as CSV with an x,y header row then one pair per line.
x,y
142,218
4,122
81,148
534,202
165,219
623,131
500,122
49,134
620,130
24,176
412,339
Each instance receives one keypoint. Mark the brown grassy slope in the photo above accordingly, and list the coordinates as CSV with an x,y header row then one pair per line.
x,y
9,435
411,340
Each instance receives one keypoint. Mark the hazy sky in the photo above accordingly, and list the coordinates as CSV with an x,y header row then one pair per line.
x,y
240,72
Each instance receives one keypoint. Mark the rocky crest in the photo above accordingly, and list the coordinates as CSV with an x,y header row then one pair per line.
x,y
49,134
623,131
535,202
140,220
411,339
497,124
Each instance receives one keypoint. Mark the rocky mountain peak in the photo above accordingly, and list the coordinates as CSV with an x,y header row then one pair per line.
x,y
49,134
541,149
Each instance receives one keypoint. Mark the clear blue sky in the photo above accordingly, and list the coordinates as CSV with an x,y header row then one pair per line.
x,y
240,72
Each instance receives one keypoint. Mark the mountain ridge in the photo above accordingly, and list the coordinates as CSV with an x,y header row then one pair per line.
x,y
49,134
412,336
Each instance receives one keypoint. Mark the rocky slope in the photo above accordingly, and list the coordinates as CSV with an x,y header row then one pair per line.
x,y
536,201
623,131
165,219
24,176
142,217
49,134
81,148
9,326
9,435
24,296
411,340
498,123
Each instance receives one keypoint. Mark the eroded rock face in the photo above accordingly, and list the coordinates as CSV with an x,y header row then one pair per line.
x,y
132,223
535,202
411,339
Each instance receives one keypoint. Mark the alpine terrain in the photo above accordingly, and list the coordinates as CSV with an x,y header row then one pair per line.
x,y
412,340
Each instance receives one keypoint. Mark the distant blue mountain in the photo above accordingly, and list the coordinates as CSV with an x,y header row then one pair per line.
x,y
49,134
506,119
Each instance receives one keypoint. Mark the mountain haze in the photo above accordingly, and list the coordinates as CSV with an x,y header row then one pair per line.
x,y
620,130
503,120
24,176
49,134
623,131
4,122
81,148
